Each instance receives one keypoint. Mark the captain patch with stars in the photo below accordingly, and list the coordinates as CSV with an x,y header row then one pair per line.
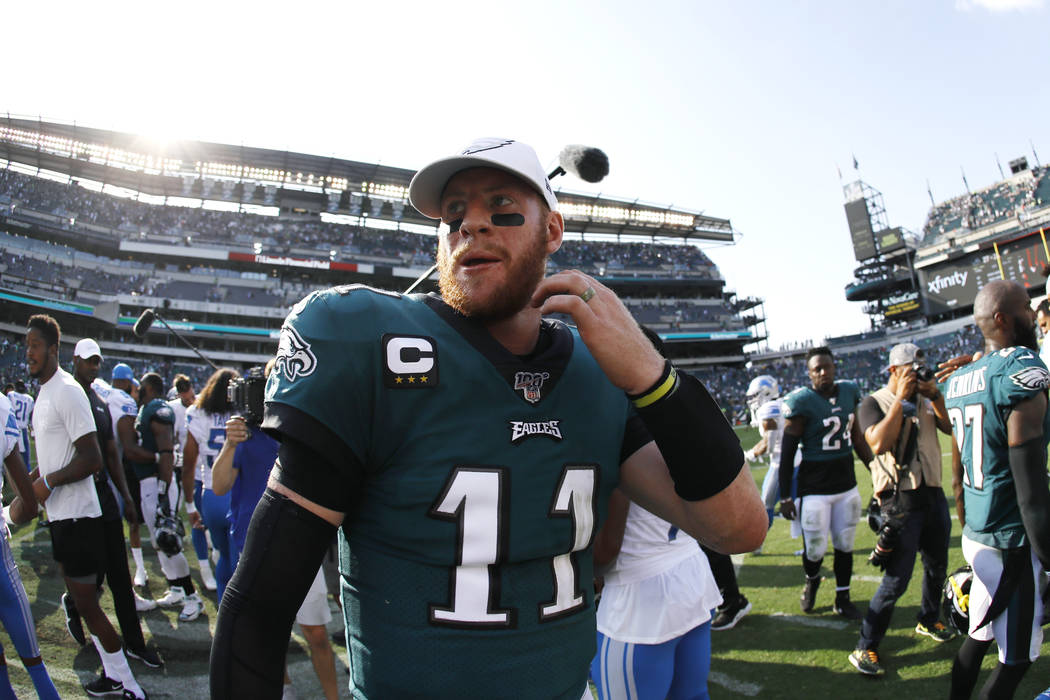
x,y
409,361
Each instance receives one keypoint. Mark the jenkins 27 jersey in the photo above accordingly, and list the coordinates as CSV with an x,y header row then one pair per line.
x,y
466,562
829,422
979,398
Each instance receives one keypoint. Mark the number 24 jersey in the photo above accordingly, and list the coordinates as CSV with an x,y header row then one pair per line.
x,y
466,563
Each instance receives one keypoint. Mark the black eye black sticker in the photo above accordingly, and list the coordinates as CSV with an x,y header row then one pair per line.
x,y
507,219
454,225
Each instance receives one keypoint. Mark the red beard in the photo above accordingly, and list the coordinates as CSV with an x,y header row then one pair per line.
x,y
523,274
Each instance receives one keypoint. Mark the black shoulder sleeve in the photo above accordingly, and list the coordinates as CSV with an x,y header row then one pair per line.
x,y
869,413
312,460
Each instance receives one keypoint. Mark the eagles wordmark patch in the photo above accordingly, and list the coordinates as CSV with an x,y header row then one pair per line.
x,y
520,430
1032,378
409,361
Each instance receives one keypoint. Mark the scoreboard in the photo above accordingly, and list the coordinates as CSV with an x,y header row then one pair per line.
x,y
859,221
955,284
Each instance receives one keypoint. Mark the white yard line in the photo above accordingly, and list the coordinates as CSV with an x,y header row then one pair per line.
x,y
811,621
741,687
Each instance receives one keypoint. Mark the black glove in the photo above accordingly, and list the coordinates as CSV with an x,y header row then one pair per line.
x,y
879,558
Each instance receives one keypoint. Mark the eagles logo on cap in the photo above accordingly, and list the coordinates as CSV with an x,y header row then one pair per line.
x,y
512,156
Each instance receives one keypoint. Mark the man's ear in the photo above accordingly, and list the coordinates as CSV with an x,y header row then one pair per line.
x,y
555,231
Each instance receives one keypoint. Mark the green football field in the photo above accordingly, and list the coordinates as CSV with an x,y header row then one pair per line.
x,y
774,652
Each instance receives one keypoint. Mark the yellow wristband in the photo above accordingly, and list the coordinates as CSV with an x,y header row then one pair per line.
x,y
662,389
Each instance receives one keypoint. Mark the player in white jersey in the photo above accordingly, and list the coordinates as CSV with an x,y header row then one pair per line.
x,y
22,407
184,398
763,398
206,423
15,614
654,619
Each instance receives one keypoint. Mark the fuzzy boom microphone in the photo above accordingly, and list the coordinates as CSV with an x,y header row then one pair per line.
x,y
588,163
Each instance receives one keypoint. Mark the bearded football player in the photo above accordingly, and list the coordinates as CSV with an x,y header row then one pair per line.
x,y
466,538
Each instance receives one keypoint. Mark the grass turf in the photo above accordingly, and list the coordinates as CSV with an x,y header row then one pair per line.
x,y
774,652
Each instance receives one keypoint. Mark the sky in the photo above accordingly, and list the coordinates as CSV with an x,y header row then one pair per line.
x,y
746,110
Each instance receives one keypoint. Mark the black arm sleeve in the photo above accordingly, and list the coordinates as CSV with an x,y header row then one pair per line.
x,y
788,447
869,414
701,450
313,461
1028,466
284,548
314,478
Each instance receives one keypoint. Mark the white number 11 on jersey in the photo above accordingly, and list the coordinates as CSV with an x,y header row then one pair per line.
x,y
476,499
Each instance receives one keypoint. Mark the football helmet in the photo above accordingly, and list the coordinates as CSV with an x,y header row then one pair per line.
x,y
956,602
168,530
762,390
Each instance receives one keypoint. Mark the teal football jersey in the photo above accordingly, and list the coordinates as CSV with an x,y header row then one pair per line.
x,y
979,399
466,565
829,422
155,410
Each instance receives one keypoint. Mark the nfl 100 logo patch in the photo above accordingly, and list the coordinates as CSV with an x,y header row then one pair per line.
x,y
530,384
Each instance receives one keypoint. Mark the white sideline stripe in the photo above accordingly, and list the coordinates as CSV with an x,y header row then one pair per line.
x,y
742,687
811,621
867,579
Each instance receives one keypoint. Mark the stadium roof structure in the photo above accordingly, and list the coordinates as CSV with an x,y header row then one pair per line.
x,y
249,177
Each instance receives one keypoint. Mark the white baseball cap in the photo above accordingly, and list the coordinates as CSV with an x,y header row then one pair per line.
x,y
86,348
904,354
515,157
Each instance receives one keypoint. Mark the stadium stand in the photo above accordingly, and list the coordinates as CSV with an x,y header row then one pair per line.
x,y
136,220
1010,198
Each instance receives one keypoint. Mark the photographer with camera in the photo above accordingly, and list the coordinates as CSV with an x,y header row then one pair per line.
x,y
908,511
242,469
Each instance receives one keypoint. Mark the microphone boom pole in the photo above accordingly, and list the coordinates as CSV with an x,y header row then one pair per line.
x,y
184,341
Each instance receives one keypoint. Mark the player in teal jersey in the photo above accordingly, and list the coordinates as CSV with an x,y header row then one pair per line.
x,y
997,406
821,418
153,462
467,448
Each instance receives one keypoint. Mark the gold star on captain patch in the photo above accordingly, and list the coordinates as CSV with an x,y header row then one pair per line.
x,y
423,379
397,379
411,380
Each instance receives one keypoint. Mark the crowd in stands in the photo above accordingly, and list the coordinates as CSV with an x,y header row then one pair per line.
x,y
195,226
1004,200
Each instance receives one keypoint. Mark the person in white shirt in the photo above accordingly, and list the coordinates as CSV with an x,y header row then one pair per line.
x,y
206,423
67,456
181,404
654,618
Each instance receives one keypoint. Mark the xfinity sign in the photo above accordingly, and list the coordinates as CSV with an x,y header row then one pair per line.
x,y
941,282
